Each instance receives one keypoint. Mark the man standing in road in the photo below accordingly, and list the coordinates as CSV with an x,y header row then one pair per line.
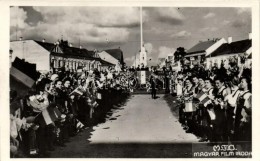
x,y
153,87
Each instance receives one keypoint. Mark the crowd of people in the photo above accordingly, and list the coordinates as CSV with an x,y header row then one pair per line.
x,y
215,104
59,106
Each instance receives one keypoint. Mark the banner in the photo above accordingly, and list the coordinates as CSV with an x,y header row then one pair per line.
x,y
20,76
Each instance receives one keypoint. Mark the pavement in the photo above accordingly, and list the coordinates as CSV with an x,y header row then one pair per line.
x,y
142,128
142,120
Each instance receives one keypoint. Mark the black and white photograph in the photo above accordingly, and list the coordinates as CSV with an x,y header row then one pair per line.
x,y
130,81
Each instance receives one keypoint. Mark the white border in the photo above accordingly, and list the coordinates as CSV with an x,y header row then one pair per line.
x,y
4,51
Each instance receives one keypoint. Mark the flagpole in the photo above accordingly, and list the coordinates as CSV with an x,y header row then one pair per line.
x,y
141,26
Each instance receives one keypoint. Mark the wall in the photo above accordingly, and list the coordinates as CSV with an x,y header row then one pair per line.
x,y
32,53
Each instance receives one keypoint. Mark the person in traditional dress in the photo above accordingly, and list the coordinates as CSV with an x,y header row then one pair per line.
x,y
188,112
243,112
220,125
231,105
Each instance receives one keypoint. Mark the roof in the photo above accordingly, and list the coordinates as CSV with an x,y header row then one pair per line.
x,y
200,47
67,50
103,62
75,52
72,51
46,45
250,56
116,53
232,48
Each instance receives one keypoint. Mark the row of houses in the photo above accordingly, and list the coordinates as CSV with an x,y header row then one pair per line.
x,y
54,56
216,51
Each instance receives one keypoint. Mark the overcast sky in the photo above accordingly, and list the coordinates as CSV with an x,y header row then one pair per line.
x,y
165,29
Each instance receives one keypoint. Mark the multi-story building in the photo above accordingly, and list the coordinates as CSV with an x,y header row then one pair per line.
x,y
54,56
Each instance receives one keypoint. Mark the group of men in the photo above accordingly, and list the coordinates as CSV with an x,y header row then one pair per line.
x,y
59,106
215,105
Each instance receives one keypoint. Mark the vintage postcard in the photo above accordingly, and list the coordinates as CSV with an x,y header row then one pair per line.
x,y
92,79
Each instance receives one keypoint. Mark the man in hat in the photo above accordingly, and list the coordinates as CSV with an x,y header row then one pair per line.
x,y
153,87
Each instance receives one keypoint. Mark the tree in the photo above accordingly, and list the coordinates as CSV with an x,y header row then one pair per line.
x,y
179,55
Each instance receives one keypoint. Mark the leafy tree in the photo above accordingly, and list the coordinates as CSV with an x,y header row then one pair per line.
x,y
179,55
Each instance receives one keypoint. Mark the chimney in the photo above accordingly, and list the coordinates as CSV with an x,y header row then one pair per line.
x,y
229,40
70,44
43,40
250,36
21,38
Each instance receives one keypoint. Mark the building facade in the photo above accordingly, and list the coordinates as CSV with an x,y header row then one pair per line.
x,y
231,50
114,57
199,52
55,56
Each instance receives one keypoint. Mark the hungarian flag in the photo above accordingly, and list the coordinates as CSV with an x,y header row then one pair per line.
x,y
206,101
78,91
200,96
22,77
50,115
203,98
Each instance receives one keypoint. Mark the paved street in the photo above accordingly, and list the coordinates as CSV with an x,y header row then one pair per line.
x,y
142,122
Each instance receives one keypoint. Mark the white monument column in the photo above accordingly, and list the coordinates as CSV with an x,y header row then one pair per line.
x,y
143,54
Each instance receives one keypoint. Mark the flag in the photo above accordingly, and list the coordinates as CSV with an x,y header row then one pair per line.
x,y
21,77
94,104
50,115
57,112
47,117
200,96
78,91
203,98
206,101
79,125
212,114
17,113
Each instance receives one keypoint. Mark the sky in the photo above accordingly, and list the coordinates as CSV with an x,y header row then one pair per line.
x,y
164,28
